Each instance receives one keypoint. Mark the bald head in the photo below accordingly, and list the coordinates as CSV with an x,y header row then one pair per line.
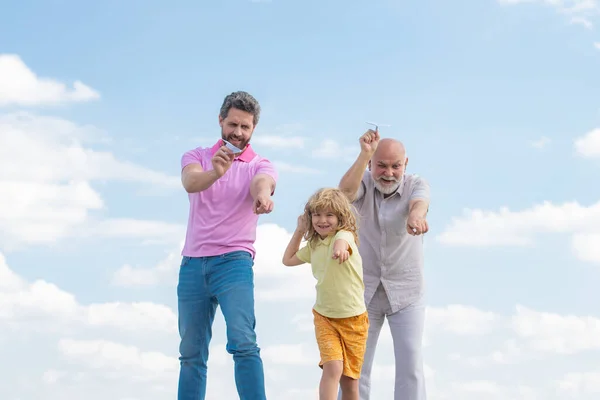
x,y
388,165
390,149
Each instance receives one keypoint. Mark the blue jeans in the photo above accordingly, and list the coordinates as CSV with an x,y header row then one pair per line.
x,y
205,282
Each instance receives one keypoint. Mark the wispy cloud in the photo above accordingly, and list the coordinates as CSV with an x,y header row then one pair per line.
x,y
579,12
332,149
280,142
586,23
19,85
297,169
541,142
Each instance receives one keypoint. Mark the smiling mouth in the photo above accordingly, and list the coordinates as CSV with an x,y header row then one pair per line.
x,y
323,227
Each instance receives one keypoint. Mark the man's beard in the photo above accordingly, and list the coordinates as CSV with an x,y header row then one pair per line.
x,y
232,138
388,189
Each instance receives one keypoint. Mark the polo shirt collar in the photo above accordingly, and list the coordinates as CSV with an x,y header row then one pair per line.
x,y
247,155
326,241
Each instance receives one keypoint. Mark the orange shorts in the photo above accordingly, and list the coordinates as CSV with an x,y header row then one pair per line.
x,y
342,339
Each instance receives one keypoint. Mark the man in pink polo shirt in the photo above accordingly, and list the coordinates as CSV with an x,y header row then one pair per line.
x,y
227,193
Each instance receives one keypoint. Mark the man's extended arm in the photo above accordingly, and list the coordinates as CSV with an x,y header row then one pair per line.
x,y
261,189
419,208
417,217
262,184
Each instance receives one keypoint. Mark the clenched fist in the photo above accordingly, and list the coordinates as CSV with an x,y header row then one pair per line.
x,y
369,141
222,160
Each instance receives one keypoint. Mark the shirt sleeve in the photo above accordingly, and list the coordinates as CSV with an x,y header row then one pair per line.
x,y
265,166
361,191
348,237
362,188
420,190
190,157
304,254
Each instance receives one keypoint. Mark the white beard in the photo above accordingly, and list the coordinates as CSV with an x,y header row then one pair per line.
x,y
388,189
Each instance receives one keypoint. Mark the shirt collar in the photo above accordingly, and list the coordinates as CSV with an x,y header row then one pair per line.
x,y
326,241
247,155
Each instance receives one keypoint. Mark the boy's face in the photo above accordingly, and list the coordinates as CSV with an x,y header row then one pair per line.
x,y
325,222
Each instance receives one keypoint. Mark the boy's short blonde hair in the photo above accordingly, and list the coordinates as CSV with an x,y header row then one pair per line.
x,y
336,201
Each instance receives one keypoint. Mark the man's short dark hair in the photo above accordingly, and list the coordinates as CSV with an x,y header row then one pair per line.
x,y
242,101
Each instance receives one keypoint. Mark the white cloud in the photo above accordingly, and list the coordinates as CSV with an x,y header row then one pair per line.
x,y
554,333
587,247
580,12
578,384
461,320
509,353
280,142
597,45
52,376
589,145
283,166
586,23
128,360
483,388
45,178
40,149
541,142
150,231
164,272
331,149
20,86
22,302
517,228
291,354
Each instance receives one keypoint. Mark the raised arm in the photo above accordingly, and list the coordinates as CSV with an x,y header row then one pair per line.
x,y
195,179
193,176
290,257
350,182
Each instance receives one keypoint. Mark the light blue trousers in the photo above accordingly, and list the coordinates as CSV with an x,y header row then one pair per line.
x,y
406,327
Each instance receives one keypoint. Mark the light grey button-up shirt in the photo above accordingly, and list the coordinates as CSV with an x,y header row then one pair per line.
x,y
391,256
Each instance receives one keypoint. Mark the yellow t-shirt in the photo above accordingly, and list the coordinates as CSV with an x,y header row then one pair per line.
x,y
340,287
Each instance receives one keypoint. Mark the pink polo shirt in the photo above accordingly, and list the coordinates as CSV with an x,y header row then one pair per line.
x,y
221,219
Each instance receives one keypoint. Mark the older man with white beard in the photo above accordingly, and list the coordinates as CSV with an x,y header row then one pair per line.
x,y
392,206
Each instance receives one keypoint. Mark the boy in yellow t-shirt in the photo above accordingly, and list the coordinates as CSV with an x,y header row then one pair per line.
x,y
340,316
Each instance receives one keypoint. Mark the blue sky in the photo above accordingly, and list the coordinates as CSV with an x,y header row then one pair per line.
x,y
496,102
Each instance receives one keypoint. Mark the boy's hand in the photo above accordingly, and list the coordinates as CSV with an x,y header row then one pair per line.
x,y
340,251
301,227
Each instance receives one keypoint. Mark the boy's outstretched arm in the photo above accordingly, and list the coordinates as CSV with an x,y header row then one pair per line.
x,y
290,259
341,250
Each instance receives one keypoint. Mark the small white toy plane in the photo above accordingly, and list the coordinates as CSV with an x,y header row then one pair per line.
x,y
377,125
231,147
